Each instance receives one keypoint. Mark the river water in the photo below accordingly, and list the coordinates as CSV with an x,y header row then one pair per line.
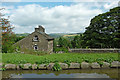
x,y
76,73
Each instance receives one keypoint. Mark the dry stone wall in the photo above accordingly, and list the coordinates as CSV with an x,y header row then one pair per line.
x,y
94,50
83,65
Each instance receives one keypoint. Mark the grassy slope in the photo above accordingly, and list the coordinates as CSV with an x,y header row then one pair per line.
x,y
70,57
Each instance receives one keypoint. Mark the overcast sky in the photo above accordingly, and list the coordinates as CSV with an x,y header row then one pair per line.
x,y
55,17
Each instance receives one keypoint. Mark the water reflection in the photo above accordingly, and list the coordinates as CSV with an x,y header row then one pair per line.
x,y
78,73
52,75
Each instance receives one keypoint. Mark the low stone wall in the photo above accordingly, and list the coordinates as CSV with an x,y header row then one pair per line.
x,y
83,65
94,50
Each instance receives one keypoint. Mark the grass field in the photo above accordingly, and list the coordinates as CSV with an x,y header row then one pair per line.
x,y
64,57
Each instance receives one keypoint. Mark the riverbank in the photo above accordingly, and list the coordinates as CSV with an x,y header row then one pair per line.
x,y
64,60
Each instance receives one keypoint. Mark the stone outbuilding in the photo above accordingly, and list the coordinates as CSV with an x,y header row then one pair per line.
x,y
38,40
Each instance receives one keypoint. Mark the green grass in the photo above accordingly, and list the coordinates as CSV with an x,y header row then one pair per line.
x,y
64,57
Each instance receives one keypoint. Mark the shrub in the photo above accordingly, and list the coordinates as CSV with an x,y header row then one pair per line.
x,y
87,59
11,49
21,66
56,67
30,67
60,49
3,69
100,59
109,60
100,63
68,62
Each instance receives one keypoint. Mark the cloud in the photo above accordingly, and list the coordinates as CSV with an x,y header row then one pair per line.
x,y
60,18
111,5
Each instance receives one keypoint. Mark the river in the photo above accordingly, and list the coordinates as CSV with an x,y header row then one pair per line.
x,y
76,73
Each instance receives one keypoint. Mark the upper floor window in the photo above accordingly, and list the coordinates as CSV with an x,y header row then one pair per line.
x,y
35,38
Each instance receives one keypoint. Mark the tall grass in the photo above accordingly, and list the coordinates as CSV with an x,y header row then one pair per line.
x,y
64,57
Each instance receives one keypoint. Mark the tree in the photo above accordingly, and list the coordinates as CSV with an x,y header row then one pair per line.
x,y
77,41
7,35
63,42
104,30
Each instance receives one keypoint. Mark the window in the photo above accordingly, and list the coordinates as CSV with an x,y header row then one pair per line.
x,y
35,38
35,47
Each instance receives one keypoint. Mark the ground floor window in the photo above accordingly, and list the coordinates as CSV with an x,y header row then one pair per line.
x,y
35,47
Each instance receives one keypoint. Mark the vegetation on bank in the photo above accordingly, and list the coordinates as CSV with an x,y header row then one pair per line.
x,y
63,57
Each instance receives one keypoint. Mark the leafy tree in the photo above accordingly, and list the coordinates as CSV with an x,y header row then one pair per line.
x,y
77,41
104,30
63,42
7,35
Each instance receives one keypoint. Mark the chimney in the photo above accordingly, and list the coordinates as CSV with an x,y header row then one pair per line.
x,y
39,29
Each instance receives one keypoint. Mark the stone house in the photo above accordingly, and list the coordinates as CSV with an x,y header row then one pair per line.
x,y
38,40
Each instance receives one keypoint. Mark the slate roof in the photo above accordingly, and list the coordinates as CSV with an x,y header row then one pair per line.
x,y
47,36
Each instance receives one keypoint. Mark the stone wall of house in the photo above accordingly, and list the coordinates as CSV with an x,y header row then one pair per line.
x,y
28,43
94,50
50,46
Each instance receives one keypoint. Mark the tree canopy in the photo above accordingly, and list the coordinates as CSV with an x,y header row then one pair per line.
x,y
7,35
104,30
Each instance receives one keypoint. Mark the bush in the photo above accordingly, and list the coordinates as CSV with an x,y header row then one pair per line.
x,y
109,60
56,67
68,62
100,63
3,69
60,49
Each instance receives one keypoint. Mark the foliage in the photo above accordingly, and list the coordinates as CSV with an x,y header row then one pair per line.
x,y
44,61
109,60
63,42
18,38
3,69
100,63
60,49
17,61
56,67
21,66
77,42
7,35
19,58
67,62
104,30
